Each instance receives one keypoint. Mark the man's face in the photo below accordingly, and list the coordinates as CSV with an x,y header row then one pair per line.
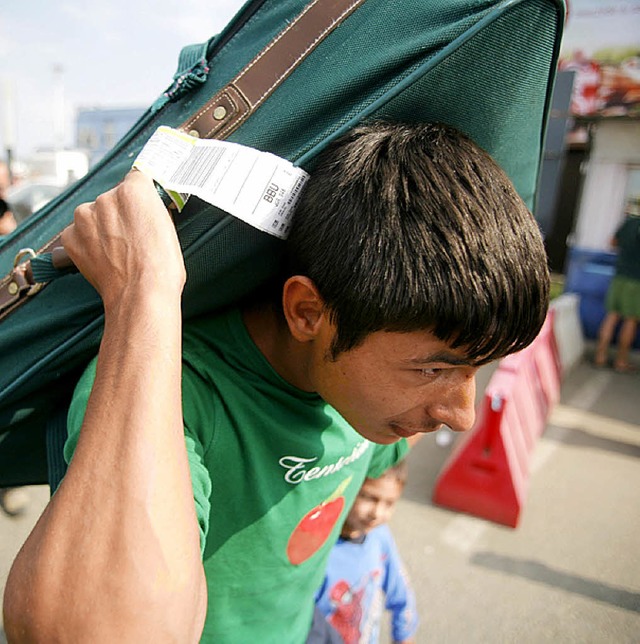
x,y
373,506
395,385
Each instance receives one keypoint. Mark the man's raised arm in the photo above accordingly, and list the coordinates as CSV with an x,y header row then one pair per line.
x,y
115,556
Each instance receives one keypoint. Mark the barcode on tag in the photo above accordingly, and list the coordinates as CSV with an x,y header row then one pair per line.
x,y
257,187
198,166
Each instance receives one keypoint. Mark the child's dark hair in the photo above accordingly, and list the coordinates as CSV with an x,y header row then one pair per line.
x,y
414,227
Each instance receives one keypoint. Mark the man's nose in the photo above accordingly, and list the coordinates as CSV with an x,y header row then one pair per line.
x,y
456,407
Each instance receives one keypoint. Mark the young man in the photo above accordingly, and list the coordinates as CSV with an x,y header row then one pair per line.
x,y
365,573
412,262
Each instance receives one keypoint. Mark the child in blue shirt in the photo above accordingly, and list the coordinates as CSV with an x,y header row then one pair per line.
x,y
365,574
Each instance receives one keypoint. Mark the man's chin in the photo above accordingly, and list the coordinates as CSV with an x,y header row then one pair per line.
x,y
381,438
386,435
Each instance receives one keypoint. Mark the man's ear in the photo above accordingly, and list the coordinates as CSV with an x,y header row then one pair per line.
x,y
303,308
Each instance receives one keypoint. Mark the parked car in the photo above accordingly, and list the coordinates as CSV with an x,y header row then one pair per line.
x,y
29,196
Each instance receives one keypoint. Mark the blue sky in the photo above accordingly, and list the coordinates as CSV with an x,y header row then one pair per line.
x,y
120,53
123,53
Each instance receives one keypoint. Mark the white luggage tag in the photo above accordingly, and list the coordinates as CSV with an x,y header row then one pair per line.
x,y
257,187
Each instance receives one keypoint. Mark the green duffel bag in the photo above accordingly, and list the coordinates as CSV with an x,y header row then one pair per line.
x,y
287,77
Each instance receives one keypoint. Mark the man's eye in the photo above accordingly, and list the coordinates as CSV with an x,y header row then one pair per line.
x,y
430,372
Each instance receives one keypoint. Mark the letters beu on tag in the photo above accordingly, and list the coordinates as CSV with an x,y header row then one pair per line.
x,y
258,187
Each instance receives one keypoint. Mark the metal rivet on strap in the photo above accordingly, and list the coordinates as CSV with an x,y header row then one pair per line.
x,y
13,288
194,133
219,113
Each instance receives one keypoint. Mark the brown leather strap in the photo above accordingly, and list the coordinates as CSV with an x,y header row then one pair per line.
x,y
13,288
229,108
19,284
233,104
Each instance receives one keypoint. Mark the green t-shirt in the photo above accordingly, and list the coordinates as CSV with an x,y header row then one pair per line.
x,y
274,472
628,240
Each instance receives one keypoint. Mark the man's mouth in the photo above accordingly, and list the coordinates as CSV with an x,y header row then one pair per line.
x,y
403,433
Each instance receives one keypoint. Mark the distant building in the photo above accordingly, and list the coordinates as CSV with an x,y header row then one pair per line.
x,y
597,169
597,181
98,129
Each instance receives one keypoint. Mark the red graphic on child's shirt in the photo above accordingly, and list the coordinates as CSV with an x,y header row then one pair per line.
x,y
347,616
315,527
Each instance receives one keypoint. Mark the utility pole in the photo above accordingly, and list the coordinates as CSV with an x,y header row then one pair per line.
x,y
58,107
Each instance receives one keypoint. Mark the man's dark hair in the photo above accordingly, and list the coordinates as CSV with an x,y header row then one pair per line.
x,y
414,227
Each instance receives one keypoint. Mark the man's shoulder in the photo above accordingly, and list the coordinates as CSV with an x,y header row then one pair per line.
x,y
211,335
210,328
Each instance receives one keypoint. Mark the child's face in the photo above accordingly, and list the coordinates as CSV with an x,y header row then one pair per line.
x,y
373,506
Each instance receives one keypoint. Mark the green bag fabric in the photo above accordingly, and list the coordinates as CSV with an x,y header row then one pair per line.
x,y
483,66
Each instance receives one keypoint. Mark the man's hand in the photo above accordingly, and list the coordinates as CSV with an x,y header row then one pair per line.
x,y
125,240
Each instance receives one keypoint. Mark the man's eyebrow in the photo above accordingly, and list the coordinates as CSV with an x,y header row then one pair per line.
x,y
441,356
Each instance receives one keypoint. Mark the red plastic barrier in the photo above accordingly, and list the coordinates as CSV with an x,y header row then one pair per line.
x,y
544,354
488,473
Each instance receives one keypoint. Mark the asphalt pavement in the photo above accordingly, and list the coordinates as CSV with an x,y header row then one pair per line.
x,y
570,571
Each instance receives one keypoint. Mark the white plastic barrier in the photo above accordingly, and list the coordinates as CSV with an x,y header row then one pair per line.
x,y
568,330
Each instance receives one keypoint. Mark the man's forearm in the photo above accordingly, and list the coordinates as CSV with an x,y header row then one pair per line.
x,y
116,555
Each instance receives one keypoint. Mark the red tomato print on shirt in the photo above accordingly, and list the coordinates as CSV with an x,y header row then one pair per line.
x,y
315,527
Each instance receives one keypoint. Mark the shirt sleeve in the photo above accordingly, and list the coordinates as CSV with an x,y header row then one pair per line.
x,y
384,456
78,406
201,484
400,598
200,479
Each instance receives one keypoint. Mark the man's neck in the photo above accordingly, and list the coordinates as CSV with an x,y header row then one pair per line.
x,y
285,354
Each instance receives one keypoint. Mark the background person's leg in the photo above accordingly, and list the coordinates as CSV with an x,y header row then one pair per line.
x,y
605,334
625,340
